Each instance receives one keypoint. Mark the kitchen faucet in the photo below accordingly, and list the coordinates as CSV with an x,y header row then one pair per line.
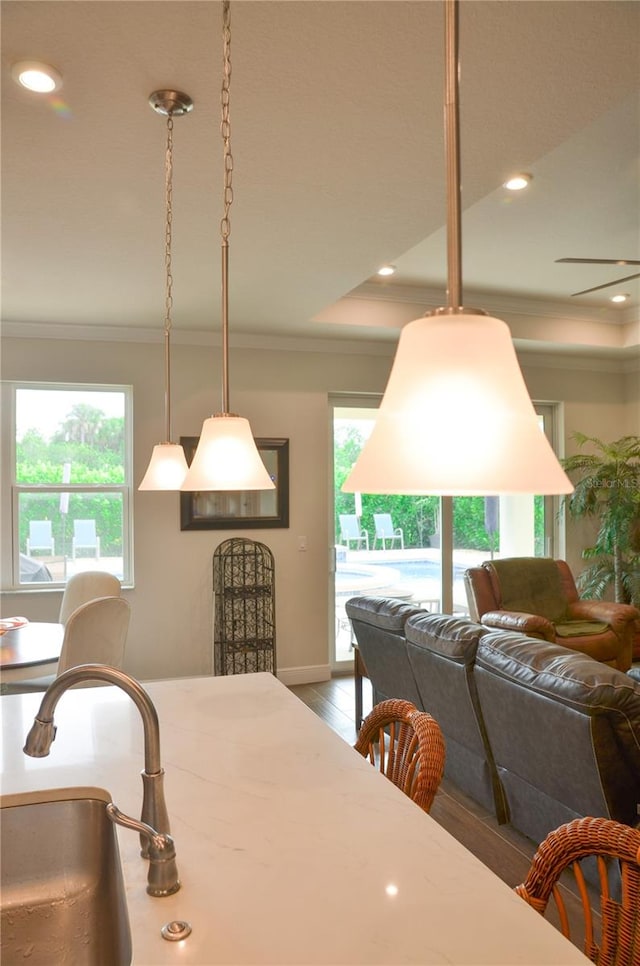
x,y
153,827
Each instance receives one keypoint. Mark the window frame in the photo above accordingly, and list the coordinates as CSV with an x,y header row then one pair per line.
x,y
11,568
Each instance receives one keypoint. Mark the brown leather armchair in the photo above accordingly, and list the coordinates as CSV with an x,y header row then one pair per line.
x,y
537,596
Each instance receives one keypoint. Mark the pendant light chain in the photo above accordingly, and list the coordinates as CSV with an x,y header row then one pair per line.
x,y
168,237
225,224
225,125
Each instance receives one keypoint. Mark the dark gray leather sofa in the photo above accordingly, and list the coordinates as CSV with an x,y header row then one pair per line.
x,y
536,732
564,730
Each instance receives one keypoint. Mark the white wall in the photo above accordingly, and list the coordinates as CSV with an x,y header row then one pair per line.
x,y
283,393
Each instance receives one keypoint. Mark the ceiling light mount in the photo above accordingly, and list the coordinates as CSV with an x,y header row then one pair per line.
x,y
455,310
169,102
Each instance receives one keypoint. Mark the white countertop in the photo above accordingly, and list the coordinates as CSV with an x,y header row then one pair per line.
x,y
286,838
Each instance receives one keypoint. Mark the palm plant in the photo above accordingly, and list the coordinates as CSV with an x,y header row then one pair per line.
x,y
608,489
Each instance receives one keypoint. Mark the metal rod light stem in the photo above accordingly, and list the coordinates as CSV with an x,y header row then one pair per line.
x,y
225,326
167,386
169,277
227,197
452,155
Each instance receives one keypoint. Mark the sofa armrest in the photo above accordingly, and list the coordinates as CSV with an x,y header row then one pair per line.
x,y
533,625
616,615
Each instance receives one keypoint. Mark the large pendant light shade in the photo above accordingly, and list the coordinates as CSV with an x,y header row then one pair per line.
x,y
456,418
227,457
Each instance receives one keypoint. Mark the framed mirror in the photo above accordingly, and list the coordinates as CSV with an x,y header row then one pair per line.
x,y
240,509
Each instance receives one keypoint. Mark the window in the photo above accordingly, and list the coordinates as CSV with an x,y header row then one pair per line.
x,y
71,482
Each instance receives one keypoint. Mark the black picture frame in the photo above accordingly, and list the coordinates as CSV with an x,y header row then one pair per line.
x,y
240,509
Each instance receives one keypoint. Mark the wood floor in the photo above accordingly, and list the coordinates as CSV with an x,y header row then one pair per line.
x,y
500,847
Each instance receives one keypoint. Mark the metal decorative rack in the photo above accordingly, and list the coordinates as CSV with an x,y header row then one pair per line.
x,y
244,630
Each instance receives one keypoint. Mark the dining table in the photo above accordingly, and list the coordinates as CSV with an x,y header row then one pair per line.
x,y
291,848
30,650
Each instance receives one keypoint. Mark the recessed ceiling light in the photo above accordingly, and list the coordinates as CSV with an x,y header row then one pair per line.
x,y
387,270
35,76
518,182
619,298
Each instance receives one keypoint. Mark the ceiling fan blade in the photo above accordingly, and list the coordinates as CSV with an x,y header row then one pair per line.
x,y
600,261
617,281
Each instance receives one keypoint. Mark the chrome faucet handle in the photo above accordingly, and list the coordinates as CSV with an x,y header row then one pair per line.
x,y
163,872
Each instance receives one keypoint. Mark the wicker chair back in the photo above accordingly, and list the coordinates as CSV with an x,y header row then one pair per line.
x,y
407,746
615,849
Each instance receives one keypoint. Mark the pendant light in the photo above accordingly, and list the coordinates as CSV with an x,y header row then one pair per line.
x,y
456,417
168,465
226,457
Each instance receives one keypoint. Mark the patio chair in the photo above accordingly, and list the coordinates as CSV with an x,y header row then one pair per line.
x,y
85,537
40,537
407,746
350,529
386,531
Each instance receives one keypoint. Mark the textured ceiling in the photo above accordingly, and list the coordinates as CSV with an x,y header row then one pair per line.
x,y
337,139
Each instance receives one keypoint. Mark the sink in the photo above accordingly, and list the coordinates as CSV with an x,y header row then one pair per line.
x,y
62,891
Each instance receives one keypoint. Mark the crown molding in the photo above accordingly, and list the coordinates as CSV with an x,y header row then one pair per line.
x,y
530,357
498,303
192,337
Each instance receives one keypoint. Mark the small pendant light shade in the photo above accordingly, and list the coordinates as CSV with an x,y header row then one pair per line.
x,y
167,468
227,457
456,418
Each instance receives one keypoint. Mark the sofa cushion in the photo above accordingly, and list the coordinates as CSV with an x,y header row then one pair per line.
x,y
453,637
530,585
378,625
442,652
572,678
387,613
580,628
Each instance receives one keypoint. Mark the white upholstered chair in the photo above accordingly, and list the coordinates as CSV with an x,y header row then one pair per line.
x,y
95,633
86,586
